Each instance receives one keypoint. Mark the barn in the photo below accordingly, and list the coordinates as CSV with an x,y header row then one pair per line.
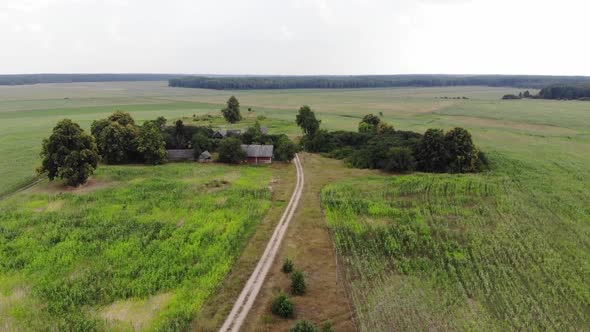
x,y
258,154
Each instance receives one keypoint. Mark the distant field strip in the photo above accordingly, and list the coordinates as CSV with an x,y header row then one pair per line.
x,y
507,250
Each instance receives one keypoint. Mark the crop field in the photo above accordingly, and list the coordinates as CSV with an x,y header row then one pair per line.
x,y
503,250
136,248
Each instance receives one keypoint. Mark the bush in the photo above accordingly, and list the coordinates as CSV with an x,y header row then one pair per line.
x,y
230,151
69,154
284,149
298,285
201,143
510,97
304,326
431,152
327,327
283,306
150,144
399,159
287,266
462,153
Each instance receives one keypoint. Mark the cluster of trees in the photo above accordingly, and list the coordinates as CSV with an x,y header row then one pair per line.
x,y
520,95
377,145
376,81
581,92
72,78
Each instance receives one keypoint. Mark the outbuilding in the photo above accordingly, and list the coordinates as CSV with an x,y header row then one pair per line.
x,y
258,154
205,157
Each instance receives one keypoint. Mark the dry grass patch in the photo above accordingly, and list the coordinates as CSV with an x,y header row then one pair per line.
x,y
133,313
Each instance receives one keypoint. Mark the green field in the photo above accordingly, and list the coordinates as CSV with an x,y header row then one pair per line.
x,y
137,248
503,250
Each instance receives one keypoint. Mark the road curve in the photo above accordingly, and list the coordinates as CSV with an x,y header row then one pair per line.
x,y
244,302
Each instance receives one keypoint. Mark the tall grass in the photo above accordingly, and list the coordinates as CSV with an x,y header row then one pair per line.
x,y
504,250
151,230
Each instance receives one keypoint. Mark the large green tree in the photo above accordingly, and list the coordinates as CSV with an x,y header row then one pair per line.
x,y
150,143
230,151
116,138
284,149
463,155
307,121
69,154
231,112
431,152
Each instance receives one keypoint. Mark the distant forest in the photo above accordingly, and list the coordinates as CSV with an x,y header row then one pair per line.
x,y
73,78
351,82
561,91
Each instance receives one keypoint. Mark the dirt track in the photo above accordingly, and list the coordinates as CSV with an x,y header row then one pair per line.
x,y
248,295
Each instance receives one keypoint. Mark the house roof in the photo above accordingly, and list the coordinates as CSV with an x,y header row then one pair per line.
x,y
205,155
258,150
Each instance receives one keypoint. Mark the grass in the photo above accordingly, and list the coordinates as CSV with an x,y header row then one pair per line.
x,y
503,250
146,246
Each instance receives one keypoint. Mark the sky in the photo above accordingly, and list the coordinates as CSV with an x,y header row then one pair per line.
x,y
295,37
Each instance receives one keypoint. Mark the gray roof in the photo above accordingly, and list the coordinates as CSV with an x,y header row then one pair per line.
x,y
205,155
258,150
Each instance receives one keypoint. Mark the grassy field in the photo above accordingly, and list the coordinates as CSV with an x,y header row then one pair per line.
x,y
503,250
137,248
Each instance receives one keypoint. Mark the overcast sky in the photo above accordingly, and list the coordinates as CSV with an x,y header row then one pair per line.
x,y
295,36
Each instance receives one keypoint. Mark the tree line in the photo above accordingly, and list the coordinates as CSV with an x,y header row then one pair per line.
x,y
28,79
377,145
376,81
562,91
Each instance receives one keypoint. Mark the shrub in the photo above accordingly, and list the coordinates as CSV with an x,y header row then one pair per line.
x,y
230,151
283,306
462,152
201,143
287,266
69,154
431,152
327,327
399,159
304,326
151,144
284,149
298,285
510,96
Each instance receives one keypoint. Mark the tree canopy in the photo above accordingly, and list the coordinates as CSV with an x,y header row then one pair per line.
x,y
69,154
231,112
307,121
230,151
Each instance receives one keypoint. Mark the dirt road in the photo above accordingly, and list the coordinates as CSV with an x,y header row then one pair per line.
x,y
248,295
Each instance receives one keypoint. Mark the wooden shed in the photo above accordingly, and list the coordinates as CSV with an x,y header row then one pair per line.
x,y
258,154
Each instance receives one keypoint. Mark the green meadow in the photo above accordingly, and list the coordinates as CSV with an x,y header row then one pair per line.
x,y
506,249
136,248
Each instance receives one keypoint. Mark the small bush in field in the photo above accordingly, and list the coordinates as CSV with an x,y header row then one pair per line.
x,y
283,306
287,266
298,285
328,327
304,326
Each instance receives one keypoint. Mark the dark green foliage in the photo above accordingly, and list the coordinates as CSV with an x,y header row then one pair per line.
x,y
327,327
230,151
304,326
287,266
150,144
231,112
565,92
510,96
69,154
321,141
253,135
97,126
373,81
371,119
307,121
298,285
180,136
201,143
283,306
117,143
431,152
462,153
71,78
399,159
122,118
526,94
284,149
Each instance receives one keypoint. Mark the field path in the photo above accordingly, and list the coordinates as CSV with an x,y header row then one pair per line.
x,y
244,303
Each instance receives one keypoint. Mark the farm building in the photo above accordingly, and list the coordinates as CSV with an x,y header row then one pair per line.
x,y
205,157
258,154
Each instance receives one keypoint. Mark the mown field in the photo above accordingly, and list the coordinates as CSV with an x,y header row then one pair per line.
x,y
138,248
